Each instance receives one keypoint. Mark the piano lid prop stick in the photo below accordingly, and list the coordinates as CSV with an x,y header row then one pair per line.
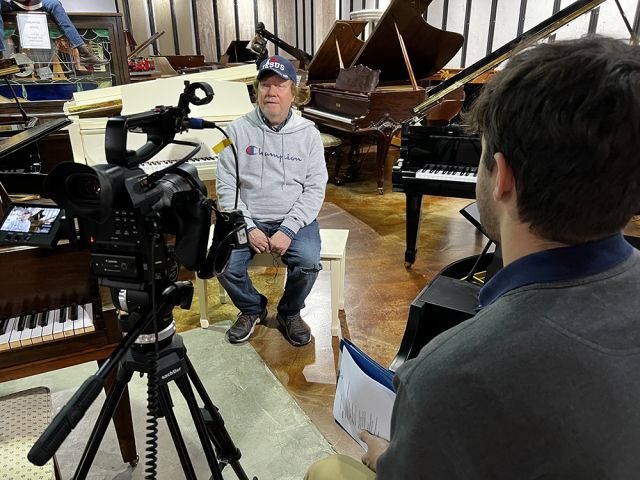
x,y
633,37
406,58
339,54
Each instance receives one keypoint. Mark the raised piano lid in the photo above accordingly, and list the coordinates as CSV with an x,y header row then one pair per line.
x,y
325,65
495,58
428,48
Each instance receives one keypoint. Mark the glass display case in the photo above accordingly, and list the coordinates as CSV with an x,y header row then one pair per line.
x,y
51,76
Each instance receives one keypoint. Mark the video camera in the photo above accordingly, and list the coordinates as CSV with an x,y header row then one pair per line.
x,y
124,215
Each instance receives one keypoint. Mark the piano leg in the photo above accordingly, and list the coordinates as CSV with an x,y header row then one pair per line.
x,y
414,205
382,148
123,421
353,167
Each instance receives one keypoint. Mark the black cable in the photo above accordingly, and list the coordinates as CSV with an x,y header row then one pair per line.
x,y
151,460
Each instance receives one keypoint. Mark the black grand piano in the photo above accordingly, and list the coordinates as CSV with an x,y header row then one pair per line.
x,y
443,160
437,159
374,95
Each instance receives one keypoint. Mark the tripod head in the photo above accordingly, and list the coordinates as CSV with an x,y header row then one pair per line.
x,y
136,304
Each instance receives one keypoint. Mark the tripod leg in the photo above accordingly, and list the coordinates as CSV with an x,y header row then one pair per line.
x,y
165,406
109,406
185,388
227,451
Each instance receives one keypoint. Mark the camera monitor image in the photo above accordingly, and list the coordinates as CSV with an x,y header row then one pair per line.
x,y
30,224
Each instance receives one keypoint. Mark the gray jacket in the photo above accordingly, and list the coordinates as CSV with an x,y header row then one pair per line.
x,y
283,174
544,383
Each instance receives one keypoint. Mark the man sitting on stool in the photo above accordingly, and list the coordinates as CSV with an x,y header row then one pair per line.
x,y
282,182
56,10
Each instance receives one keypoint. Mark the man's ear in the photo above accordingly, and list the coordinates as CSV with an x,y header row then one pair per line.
x,y
505,183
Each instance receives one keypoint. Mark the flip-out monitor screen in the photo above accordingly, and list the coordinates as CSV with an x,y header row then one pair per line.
x,y
30,224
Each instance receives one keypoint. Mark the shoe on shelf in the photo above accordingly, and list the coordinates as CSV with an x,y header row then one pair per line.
x,y
244,326
295,329
88,56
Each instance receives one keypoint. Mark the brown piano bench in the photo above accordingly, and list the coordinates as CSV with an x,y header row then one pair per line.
x,y
24,416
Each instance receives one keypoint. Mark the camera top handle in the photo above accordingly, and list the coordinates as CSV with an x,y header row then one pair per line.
x,y
160,124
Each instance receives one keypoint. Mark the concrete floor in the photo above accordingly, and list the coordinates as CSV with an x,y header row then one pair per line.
x,y
276,438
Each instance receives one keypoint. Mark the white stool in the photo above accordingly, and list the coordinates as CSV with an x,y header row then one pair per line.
x,y
332,257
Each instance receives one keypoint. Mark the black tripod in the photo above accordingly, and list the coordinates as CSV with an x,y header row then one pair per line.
x,y
172,364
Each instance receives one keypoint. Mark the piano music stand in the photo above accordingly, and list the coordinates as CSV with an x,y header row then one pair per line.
x,y
5,201
28,182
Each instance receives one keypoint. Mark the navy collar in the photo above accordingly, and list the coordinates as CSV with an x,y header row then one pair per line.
x,y
278,127
557,265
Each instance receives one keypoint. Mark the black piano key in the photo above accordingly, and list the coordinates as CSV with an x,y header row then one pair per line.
x,y
73,311
22,322
63,315
32,319
4,321
47,317
40,318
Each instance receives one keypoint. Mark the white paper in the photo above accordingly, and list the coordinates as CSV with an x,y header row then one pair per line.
x,y
361,403
34,31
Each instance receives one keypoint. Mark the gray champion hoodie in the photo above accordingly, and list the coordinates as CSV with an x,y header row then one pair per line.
x,y
283,174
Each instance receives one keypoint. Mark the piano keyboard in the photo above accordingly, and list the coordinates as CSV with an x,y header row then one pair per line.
x,y
331,116
449,173
206,166
45,326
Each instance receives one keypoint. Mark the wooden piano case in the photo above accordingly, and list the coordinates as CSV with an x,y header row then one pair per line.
x,y
403,48
45,279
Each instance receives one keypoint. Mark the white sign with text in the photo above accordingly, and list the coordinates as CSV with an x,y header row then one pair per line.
x,y
33,30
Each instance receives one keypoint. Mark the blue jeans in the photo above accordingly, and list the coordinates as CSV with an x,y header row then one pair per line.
x,y
56,10
302,259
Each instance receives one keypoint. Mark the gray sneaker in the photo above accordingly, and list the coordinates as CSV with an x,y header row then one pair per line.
x,y
244,326
295,329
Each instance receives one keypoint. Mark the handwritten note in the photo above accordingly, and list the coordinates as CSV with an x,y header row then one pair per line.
x,y
361,402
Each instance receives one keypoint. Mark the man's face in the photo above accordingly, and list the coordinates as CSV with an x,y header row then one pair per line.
x,y
484,198
275,97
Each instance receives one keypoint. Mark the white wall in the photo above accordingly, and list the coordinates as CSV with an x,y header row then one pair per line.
x,y
507,15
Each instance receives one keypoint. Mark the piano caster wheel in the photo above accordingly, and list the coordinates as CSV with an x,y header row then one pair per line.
x,y
408,265
338,181
380,191
134,462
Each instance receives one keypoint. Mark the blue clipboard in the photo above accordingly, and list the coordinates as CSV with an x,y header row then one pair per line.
x,y
369,366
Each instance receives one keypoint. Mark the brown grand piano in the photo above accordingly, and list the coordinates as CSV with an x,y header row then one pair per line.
x,y
404,49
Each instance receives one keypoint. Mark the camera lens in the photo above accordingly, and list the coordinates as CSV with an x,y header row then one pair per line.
x,y
83,188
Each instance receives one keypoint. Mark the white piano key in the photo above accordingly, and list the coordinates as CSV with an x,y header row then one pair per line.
x,y
69,324
47,330
88,318
5,337
36,334
26,334
58,326
14,339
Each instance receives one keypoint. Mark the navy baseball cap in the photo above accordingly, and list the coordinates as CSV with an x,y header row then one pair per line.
x,y
279,65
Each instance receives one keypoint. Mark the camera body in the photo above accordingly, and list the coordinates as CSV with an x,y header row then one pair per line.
x,y
138,228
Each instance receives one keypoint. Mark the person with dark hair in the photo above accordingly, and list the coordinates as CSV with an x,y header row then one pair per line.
x,y
543,381
282,180
57,11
